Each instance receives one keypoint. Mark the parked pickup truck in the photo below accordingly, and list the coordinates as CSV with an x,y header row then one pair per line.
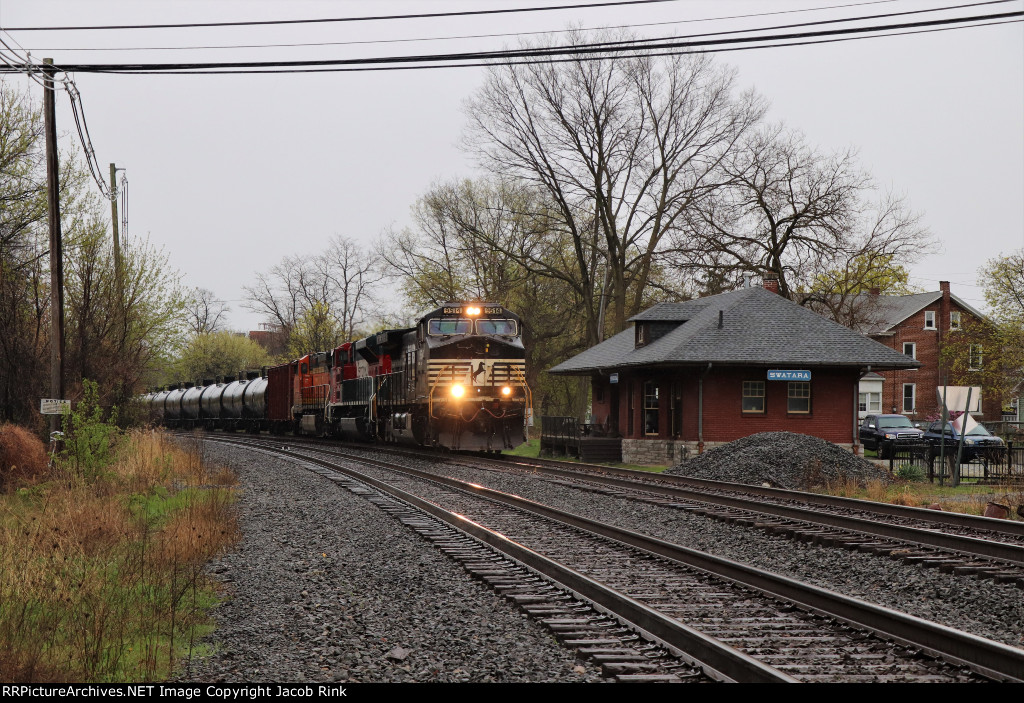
x,y
879,432
979,443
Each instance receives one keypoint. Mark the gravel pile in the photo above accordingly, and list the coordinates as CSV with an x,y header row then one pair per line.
x,y
781,459
324,586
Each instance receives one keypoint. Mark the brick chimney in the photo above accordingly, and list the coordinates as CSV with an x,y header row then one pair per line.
x,y
944,307
770,281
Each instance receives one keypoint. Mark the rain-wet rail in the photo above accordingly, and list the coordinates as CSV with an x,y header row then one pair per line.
x,y
753,636
967,545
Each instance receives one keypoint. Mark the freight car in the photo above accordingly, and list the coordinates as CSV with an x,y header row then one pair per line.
x,y
456,379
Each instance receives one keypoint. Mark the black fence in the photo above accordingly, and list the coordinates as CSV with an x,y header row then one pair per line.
x,y
559,435
981,464
567,436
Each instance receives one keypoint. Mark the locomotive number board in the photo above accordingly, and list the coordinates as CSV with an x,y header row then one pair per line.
x,y
485,310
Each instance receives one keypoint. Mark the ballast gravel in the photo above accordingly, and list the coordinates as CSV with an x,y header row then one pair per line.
x,y
781,459
981,607
324,586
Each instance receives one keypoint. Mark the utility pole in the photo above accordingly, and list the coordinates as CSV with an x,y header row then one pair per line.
x,y
56,247
117,241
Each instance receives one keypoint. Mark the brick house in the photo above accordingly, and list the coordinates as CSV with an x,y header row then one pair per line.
x,y
687,376
917,325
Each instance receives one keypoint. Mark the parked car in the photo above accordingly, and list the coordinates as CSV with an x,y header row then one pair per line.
x,y
879,432
979,443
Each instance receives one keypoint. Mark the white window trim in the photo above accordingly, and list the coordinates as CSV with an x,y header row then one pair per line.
x,y
929,315
913,352
872,401
970,357
959,320
913,397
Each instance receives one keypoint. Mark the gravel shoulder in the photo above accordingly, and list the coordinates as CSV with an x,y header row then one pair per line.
x,y
324,586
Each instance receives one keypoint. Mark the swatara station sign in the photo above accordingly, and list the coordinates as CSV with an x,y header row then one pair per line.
x,y
786,375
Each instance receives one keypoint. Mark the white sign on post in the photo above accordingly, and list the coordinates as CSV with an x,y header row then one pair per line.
x,y
51,406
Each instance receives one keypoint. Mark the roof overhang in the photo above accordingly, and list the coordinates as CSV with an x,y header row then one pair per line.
x,y
759,364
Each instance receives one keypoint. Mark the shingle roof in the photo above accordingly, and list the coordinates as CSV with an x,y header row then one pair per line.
x,y
758,328
887,311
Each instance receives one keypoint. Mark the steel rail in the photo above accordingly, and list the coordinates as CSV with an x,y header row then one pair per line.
x,y
969,545
990,658
717,658
1009,527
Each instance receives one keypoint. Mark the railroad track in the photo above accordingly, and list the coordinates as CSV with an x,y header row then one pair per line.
x,y
776,629
984,548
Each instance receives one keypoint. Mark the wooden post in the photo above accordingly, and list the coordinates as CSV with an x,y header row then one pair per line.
x,y
56,247
117,240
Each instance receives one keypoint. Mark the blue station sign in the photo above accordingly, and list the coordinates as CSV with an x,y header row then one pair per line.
x,y
786,375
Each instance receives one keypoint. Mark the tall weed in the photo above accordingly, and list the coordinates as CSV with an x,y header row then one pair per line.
x,y
102,580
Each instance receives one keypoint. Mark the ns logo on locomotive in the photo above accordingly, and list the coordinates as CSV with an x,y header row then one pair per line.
x,y
457,380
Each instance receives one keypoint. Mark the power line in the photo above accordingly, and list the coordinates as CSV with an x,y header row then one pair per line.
x,y
484,64
575,51
78,111
372,18
491,36
53,83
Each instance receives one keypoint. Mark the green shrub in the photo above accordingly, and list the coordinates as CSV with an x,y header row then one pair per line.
x,y
910,472
88,439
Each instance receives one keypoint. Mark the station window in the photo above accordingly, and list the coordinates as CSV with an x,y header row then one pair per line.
x,y
650,408
753,396
929,319
799,397
954,320
910,349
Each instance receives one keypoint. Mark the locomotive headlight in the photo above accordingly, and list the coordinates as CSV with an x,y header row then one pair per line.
x,y
458,391
472,311
506,391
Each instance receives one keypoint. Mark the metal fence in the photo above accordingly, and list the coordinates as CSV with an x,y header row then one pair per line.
x,y
995,464
559,435
568,437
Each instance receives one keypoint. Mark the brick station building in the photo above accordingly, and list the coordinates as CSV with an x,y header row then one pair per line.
x,y
688,376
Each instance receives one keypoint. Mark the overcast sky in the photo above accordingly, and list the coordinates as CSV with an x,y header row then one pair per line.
x,y
232,173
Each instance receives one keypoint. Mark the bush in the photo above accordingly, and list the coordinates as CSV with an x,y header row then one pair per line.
x,y
910,472
22,456
88,439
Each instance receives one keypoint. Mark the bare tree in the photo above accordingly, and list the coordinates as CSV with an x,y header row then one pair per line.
x,y
811,219
205,312
331,291
621,147
456,249
353,273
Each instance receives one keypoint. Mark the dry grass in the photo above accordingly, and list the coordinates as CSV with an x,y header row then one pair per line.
x,y
23,457
102,580
969,498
